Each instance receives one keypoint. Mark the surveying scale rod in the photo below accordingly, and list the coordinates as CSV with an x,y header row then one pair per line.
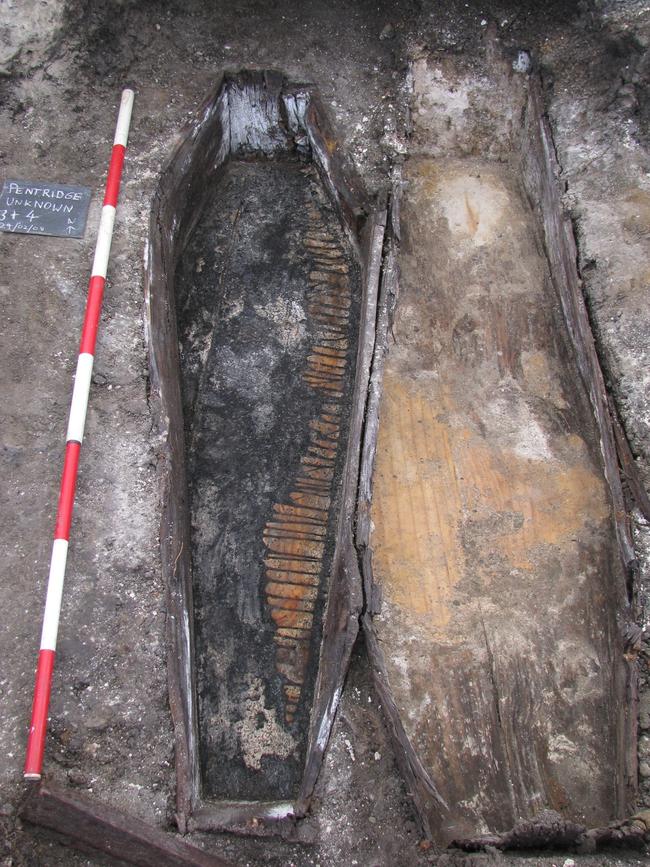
x,y
74,437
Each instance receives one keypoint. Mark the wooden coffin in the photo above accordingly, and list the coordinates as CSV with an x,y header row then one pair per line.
x,y
491,523
262,272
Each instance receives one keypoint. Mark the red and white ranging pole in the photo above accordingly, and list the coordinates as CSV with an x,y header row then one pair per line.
x,y
74,437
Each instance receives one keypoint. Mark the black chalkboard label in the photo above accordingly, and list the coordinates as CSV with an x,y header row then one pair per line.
x,y
42,208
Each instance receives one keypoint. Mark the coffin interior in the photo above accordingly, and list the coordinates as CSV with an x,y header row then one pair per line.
x,y
262,259
492,526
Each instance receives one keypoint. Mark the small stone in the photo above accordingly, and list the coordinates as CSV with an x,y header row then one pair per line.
x,y
644,769
522,62
98,721
644,711
377,756
79,686
388,32
372,820
77,778
643,817
569,862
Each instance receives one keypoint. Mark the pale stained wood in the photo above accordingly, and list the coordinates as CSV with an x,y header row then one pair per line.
x,y
491,526
430,476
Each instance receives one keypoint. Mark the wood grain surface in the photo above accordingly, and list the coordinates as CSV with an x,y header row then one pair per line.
x,y
296,538
491,532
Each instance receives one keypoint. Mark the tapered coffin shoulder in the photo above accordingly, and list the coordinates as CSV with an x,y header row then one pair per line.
x,y
262,270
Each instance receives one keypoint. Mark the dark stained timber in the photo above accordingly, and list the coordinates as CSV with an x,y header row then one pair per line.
x,y
262,273
253,317
88,824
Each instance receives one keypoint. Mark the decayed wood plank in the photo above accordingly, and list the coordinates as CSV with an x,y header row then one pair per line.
x,y
184,185
549,830
483,505
342,617
540,171
91,824
628,466
417,778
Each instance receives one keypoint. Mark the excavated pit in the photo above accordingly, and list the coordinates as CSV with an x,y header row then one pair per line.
x,y
495,478
104,736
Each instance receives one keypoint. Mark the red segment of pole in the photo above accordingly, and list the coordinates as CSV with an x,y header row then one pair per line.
x,y
74,437
93,310
66,495
36,742
114,175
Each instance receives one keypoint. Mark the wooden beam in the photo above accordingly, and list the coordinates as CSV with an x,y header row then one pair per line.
x,y
87,823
